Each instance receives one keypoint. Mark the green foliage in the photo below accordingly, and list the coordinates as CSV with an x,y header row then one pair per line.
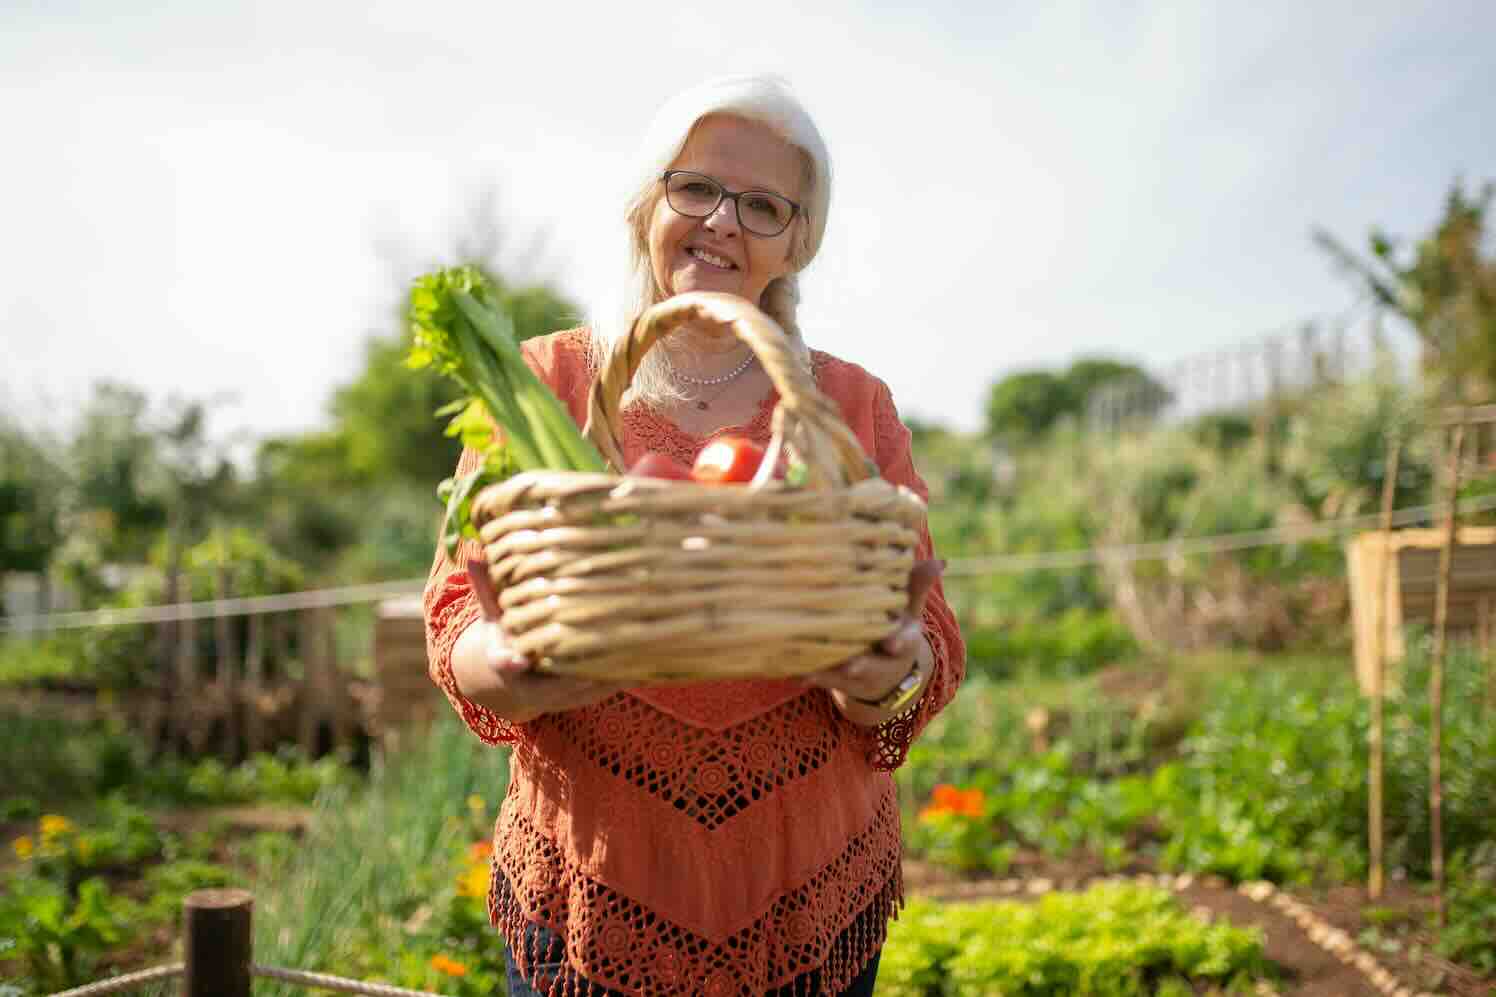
x,y
44,757
1444,285
32,489
170,882
1076,642
327,905
286,777
59,938
59,920
1113,940
1337,447
1269,783
1470,935
1022,407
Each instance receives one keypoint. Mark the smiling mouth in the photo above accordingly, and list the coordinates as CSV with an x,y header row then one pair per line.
x,y
711,259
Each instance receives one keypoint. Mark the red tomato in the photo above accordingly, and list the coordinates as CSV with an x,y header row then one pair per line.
x,y
729,459
659,465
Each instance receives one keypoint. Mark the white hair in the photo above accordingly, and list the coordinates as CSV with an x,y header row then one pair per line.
x,y
765,100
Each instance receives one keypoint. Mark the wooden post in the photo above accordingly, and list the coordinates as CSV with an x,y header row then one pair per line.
x,y
184,716
306,718
219,943
1487,624
1379,672
254,681
1436,681
227,679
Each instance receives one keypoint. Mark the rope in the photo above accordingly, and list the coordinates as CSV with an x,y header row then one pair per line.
x,y
1159,550
126,981
215,608
325,981
960,567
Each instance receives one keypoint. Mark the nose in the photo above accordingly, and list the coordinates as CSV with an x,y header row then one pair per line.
x,y
723,221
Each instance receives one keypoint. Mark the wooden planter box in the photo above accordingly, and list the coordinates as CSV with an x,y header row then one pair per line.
x,y
406,692
1412,572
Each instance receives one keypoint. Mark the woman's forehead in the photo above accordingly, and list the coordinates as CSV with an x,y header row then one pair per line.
x,y
742,154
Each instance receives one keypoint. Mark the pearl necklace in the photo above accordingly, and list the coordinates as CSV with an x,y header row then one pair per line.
x,y
707,382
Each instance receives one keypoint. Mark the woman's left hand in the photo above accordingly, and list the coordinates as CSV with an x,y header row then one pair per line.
x,y
872,675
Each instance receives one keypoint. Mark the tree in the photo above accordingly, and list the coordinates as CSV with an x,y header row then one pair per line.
x,y
33,485
1023,407
1444,286
1135,393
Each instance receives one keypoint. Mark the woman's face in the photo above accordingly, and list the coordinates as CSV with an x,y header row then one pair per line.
x,y
715,253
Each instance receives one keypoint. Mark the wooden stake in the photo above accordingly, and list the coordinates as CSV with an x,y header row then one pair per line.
x,y
1379,671
219,943
254,680
227,679
1483,646
311,700
1436,681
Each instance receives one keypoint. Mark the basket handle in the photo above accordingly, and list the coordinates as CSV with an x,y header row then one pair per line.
x,y
805,420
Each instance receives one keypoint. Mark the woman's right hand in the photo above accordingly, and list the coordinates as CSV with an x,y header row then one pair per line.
x,y
493,675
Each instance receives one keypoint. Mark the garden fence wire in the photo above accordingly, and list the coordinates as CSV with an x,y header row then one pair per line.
x,y
319,981
958,567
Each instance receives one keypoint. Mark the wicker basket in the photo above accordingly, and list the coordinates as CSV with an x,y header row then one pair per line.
x,y
652,580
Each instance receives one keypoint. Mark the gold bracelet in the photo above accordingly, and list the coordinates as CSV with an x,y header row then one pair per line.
x,y
900,696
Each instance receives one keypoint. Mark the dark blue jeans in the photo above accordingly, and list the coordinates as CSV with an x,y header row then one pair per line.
x,y
548,957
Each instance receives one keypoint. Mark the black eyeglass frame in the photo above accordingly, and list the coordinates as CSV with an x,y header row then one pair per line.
x,y
737,205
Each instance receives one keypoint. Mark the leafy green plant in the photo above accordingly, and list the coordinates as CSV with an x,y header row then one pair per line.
x,y
1268,783
1470,935
1113,939
459,326
59,936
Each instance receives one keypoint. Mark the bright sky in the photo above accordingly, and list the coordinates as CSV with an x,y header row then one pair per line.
x,y
209,198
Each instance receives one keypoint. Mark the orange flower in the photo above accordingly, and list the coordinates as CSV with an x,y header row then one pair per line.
x,y
946,796
479,851
971,802
444,964
948,799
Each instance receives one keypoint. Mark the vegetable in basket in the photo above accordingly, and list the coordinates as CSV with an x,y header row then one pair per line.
x,y
509,415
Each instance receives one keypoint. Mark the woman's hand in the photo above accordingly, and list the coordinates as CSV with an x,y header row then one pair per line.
x,y
495,676
874,674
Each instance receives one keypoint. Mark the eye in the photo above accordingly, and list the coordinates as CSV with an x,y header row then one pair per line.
x,y
700,187
764,204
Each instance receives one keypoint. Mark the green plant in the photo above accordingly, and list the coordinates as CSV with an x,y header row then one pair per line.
x,y
1113,939
379,863
170,882
956,829
60,936
1470,935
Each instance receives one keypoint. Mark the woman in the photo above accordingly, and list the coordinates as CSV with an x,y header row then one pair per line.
x,y
726,837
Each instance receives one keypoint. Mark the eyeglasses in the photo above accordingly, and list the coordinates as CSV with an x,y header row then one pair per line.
x,y
697,195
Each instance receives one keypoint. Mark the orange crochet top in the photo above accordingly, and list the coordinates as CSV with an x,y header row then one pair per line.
x,y
716,838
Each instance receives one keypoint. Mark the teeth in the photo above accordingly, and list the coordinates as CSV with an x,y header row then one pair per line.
x,y
712,258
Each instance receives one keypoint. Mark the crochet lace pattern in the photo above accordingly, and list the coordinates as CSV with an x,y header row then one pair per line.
x,y
717,838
